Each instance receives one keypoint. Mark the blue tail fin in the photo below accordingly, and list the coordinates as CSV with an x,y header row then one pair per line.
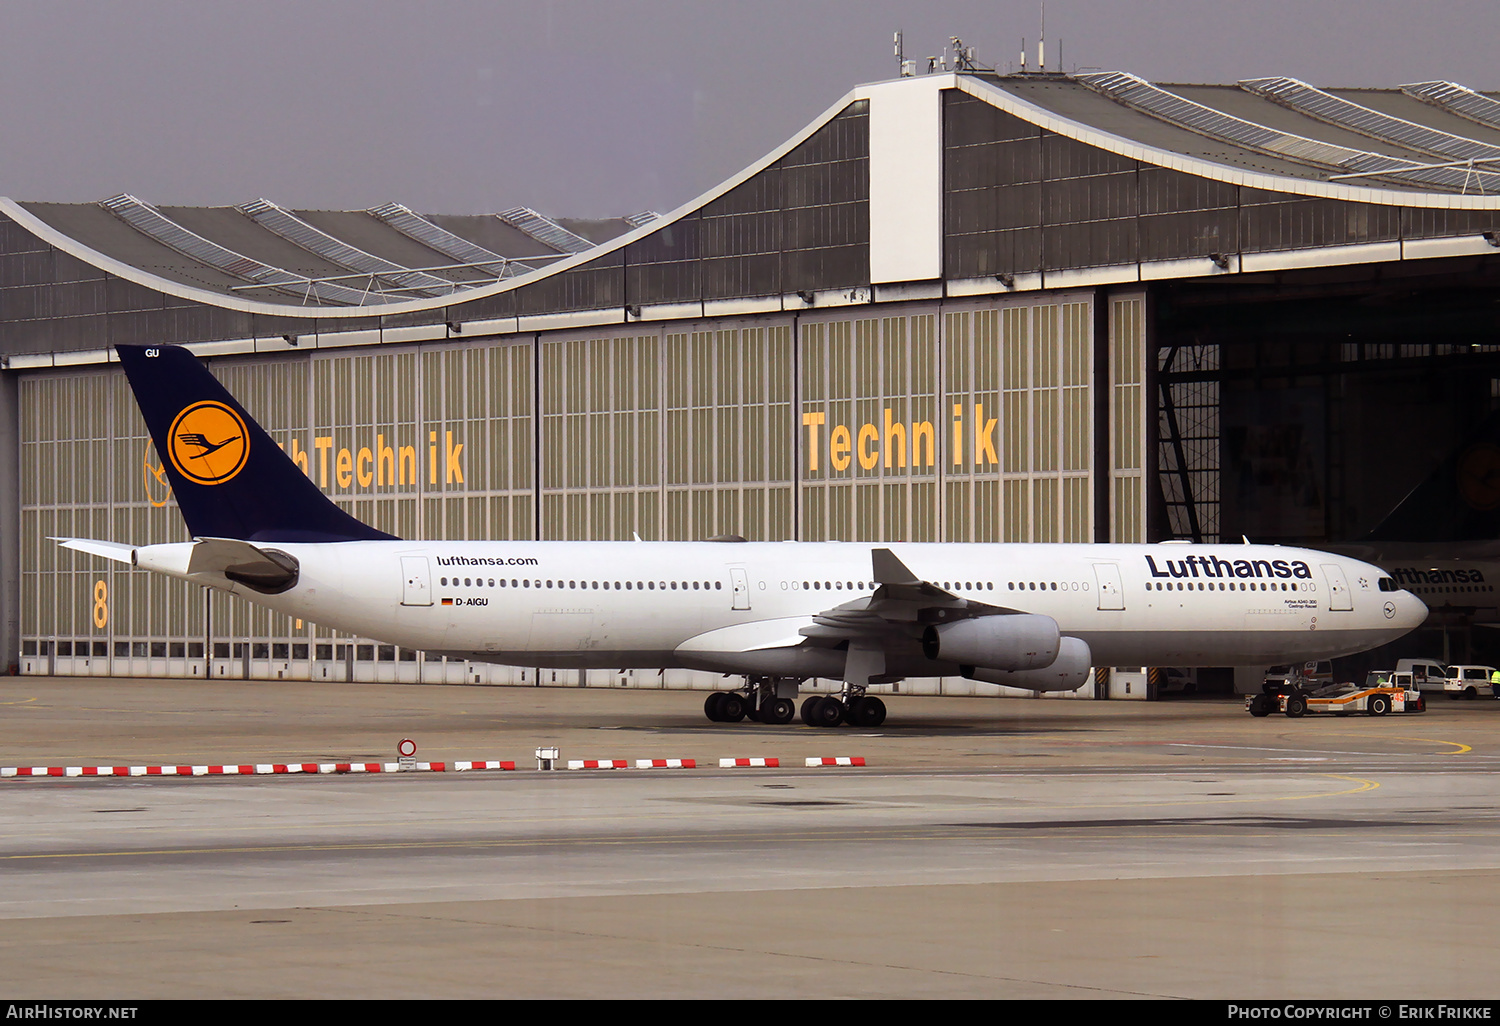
x,y
1459,501
230,479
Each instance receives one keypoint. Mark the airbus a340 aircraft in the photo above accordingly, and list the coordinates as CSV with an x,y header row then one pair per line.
x,y
1029,616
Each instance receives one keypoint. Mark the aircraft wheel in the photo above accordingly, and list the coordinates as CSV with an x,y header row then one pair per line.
x,y
827,712
732,708
711,706
867,711
778,710
1380,705
808,704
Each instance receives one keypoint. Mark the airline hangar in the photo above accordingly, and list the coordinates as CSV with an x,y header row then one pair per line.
x,y
955,307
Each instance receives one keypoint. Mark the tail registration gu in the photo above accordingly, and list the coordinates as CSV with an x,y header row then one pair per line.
x,y
1027,616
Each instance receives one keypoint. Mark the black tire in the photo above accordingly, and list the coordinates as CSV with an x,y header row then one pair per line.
x,y
1379,705
807,709
732,708
1260,705
827,711
778,710
862,712
711,706
1471,693
1296,706
878,713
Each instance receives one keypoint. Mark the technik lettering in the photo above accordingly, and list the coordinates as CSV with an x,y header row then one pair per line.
x,y
1214,567
897,444
383,464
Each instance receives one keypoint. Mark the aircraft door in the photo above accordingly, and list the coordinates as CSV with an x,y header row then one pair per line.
x,y
1339,596
741,584
1111,593
416,589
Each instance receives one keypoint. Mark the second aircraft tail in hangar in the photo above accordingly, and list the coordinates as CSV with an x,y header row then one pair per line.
x,y
230,479
1458,503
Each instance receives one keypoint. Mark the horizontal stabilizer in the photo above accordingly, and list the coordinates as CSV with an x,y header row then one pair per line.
x,y
269,571
116,551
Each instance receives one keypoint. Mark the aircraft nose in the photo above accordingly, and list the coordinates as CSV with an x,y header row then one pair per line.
x,y
1410,611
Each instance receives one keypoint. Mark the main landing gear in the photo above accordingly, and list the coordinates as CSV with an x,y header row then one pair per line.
x,y
831,710
765,700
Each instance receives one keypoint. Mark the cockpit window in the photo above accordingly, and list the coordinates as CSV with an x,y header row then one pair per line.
x,y
1389,584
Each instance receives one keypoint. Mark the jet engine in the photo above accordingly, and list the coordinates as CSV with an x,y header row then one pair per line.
x,y
1018,641
1068,672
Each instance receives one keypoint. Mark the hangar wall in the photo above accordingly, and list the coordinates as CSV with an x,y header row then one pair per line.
x,y
942,420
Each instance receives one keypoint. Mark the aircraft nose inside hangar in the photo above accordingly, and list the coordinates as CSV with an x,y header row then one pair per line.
x,y
1161,311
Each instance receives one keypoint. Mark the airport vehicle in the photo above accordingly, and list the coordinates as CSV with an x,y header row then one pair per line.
x,y
1469,682
1428,674
1340,700
1028,616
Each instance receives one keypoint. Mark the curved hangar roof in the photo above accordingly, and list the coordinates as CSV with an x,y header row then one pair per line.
x,y
264,251
1433,145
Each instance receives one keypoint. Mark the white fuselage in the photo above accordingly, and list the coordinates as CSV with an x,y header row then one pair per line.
x,y
728,605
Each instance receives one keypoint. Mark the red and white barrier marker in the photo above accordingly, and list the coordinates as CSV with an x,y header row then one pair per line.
x,y
269,768
247,769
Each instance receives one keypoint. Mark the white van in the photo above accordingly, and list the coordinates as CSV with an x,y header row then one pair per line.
x,y
1469,681
1427,674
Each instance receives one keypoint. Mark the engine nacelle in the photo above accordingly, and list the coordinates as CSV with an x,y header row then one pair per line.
x,y
1019,641
1068,672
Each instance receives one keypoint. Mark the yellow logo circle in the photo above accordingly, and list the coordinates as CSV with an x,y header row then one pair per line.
x,y
207,443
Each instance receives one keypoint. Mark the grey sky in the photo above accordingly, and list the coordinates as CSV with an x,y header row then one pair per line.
x,y
580,107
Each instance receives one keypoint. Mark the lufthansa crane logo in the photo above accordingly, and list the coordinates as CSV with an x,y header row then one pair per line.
x,y
208,443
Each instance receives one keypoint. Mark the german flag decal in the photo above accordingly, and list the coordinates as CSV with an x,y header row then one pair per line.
x,y
447,602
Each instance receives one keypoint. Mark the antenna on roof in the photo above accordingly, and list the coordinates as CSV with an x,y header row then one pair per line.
x,y
905,68
1041,46
963,56
1023,55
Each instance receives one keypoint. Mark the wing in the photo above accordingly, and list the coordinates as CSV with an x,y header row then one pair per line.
x,y
902,606
859,640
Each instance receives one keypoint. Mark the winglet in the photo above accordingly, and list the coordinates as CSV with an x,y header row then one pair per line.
x,y
890,570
